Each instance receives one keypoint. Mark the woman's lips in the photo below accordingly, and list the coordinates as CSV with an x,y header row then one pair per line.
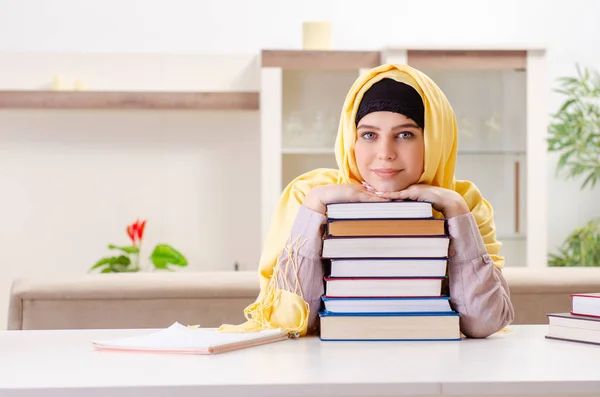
x,y
386,173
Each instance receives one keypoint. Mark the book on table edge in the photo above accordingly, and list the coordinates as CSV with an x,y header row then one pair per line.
x,y
573,328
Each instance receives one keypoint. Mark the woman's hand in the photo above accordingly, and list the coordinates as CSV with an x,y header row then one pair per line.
x,y
446,201
318,198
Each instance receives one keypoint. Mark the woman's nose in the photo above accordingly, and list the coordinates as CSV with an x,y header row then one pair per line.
x,y
386,150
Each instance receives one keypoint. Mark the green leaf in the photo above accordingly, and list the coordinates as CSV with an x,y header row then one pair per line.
x,y
111,262
559,91
567,80
127,249
122,268
574,130
562,161
122,260
103,262
566,105
165,255
580,248
591,180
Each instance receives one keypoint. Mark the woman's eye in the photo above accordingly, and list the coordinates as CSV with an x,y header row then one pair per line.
x,y
406,135
368,135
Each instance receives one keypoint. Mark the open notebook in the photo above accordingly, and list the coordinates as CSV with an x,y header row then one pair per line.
x,y
188,340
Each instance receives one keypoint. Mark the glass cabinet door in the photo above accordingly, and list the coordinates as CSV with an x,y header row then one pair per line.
x,y
490,108
311,108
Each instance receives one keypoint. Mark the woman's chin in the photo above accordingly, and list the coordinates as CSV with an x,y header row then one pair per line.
x,y
387,186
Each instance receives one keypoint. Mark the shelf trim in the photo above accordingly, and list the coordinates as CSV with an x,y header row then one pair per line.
x,y
307,151
491,152
156,100
468,59
320,60
474,46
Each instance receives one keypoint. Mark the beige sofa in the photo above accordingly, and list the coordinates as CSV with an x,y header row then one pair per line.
x,y
150,300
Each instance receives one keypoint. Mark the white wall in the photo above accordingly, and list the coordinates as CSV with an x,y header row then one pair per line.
x,y
71,181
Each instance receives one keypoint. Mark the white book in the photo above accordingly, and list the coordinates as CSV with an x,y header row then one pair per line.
x,y
586,304
387,305
380,210
389,267
182,339
386,247
407,327
383,287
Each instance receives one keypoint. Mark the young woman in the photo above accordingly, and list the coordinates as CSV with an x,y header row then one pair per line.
x,y
397,139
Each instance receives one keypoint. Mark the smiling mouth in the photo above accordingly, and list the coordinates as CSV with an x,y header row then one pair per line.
x,y
386,173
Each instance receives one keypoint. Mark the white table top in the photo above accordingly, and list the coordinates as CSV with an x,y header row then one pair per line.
x,y
519,362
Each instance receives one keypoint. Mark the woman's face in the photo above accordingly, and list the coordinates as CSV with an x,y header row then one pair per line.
x,y
389,151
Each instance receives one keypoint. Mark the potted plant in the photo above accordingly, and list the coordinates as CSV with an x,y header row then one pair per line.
x,y
127,259
574,132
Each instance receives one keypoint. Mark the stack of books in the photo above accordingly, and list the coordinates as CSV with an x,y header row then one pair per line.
x,y
581,324
388,262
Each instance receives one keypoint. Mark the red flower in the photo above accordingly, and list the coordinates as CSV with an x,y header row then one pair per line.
x,y
136,231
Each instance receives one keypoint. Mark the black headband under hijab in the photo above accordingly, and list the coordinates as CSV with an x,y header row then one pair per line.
x,y
389,95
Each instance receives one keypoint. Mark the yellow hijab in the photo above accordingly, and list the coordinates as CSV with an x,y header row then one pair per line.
x,y
286,308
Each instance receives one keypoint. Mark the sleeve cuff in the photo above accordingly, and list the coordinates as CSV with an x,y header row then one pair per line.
x,y
466,242
308,224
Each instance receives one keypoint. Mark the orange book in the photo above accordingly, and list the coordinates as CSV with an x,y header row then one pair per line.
x,y
386,227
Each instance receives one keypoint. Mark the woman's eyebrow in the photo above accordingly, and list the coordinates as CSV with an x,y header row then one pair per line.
x,y
372,127
407,125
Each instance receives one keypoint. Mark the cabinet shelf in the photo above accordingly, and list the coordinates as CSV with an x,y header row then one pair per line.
x,y
308,151
468,59
490,153
32,99
320,60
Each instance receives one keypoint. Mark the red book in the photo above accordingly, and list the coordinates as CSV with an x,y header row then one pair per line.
x,y
586,304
